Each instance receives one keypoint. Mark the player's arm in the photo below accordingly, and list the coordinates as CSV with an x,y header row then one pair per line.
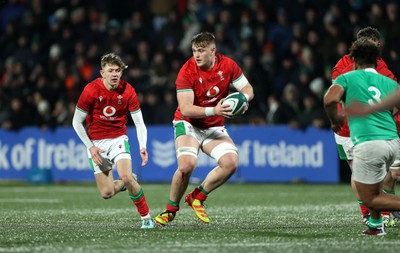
x,y
185,101
392,101
331,99
77,124
141,132
242,85
248,92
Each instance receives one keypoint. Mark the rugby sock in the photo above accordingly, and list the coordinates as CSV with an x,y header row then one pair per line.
x,y
172,206
374,223
202,195
196,191
363,207
140,201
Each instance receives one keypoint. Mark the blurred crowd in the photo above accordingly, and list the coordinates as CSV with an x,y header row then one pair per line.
x,y
49,50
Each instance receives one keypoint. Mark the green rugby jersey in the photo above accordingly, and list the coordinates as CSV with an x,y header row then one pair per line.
x,y
368,87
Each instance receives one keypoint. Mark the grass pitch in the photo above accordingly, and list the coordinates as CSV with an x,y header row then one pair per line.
x,y
244,218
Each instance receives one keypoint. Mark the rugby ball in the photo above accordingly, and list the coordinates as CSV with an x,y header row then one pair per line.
x,y
237,102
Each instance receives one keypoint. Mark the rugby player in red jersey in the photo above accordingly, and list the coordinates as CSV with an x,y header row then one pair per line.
x,y
104,104
202,83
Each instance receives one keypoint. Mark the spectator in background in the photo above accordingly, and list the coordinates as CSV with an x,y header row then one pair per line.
x,y
59,115
81,31
164,113
376,17
18,117
313,114
272,106
280,34
4,112
391,31
289,108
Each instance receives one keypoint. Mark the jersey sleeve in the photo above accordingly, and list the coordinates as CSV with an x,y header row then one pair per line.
x,y
184,80
341,81
236,71
133,104
85,101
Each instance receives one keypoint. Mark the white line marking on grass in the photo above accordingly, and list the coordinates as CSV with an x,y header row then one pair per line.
x,y
30,200
285,208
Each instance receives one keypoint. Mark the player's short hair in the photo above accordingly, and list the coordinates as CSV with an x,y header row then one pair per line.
x,y
112,59
370,33
364,52
203,39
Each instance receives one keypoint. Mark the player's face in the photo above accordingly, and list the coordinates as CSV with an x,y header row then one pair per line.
x,y
111,75
204,55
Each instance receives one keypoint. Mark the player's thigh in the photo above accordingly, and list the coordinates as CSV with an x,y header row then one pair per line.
x,y
123,164
367,192
105,181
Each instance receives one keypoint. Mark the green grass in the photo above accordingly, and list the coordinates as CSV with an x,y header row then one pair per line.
x,y
244,218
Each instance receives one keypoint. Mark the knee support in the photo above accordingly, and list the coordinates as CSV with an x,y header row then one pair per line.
x,y
186,151
222,149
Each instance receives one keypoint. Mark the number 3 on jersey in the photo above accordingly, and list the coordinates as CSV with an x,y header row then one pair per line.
x,y
376,95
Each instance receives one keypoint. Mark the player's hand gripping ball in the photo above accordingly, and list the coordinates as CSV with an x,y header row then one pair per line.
x,y
237,102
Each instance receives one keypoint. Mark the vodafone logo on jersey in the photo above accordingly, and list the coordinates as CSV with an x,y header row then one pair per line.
x,y
212,92
109,111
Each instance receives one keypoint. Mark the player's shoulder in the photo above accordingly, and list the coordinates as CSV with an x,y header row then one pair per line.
x,y
188,69
93,85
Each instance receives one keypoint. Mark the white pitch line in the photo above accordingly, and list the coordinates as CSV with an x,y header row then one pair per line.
x,y
30,200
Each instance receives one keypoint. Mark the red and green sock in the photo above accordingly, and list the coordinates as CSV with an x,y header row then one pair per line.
x,y
363,207
199,193
140,201
172,206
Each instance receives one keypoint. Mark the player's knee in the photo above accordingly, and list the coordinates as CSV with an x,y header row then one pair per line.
x,y
107,194
127,179
187,159
229,163
187,167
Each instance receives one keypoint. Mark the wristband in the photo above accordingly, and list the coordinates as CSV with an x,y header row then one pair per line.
x,y
209,111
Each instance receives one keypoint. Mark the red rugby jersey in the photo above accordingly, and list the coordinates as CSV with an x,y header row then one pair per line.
x,y
208,87
107,109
